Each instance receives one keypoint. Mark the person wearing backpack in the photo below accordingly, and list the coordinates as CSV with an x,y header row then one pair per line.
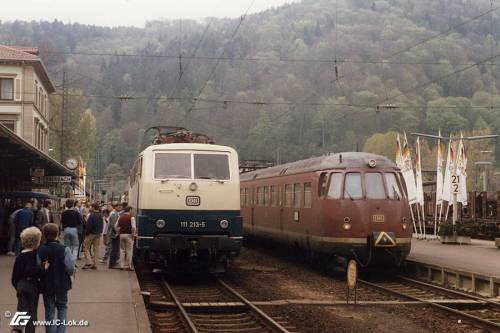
x,y
55,282
26,276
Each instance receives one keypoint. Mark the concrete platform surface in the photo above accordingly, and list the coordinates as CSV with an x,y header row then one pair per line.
x,y
108,299
480,257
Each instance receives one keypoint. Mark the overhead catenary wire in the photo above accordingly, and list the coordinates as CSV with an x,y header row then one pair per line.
x,y
374,61
226,102
212,72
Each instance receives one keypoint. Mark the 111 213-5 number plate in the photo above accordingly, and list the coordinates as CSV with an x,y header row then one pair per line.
x,y
193,200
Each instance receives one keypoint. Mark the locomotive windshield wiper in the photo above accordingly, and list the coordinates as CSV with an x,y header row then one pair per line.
x,y
218,180
349,194
396,195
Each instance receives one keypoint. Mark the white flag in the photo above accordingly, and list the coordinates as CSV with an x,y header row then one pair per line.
x,y
418,173
440,172
399,156
448,173
461,172
407,171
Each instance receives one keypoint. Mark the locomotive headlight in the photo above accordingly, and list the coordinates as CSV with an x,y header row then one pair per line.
x,y
193,187
405,226
372,163
224,224
347,223
160,224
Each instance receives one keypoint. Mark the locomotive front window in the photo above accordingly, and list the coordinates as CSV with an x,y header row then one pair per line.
x,y
211,166
352,186
374,186
334,192
172,165
393,186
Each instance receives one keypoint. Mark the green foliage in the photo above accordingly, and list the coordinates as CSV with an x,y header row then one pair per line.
x,y
315,107
466,229
446,229
382,144
461,229
116,177
79,134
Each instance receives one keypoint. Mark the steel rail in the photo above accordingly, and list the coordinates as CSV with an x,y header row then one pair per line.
x,y
474,319
456,292
185,316
261,314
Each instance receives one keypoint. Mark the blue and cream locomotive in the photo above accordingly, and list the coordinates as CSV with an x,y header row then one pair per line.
x,y
185,192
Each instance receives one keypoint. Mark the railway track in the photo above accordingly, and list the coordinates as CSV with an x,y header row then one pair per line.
x,y
474,310
205,306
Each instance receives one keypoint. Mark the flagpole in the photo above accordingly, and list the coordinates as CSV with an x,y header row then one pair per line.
x,y
436,206
423,221
447,212
413,220
419,220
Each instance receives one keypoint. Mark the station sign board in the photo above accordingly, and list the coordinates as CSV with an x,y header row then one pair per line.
x,y
57,179
51,180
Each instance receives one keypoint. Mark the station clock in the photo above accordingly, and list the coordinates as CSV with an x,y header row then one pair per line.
x,y
71,163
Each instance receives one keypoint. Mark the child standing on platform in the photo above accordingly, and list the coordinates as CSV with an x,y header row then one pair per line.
x,y
26,276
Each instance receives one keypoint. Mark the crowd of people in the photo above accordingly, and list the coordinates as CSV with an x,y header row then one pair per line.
x,y
47,251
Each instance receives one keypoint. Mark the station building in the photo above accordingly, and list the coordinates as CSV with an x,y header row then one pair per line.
x,y
25,87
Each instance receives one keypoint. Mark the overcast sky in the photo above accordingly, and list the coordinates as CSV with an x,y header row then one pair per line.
x,y
128,12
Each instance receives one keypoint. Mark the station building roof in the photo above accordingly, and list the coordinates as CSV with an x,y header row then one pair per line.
x,y
29,55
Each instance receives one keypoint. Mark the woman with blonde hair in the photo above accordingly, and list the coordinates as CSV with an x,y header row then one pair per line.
x,y
26,275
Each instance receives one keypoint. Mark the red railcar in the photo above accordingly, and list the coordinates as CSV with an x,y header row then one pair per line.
x,y
347,205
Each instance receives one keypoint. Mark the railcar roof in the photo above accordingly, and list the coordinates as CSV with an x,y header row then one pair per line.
x,y
188,146
333,161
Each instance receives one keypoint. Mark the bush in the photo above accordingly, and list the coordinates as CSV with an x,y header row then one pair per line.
x,y
462,229
445,229
466,229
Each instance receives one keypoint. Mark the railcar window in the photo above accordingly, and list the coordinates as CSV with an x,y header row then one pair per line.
x,y
352,186
245,197
334,191
297,195
307,195
374,186
266,195
393,187
172,165
242,196
288,195
211,166
274,196
260,196
323,181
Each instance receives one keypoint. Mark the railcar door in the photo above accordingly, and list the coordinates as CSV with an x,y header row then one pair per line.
x,y
280,203
252,207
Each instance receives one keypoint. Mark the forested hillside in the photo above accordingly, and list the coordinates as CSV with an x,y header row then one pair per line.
x,y
284,84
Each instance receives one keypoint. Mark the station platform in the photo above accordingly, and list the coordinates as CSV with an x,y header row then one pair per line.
x,y
109,299
474,267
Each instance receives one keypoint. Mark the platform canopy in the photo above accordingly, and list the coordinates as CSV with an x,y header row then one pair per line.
x,y
19,160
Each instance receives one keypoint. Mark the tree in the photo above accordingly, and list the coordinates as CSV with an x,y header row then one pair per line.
x,y
382,144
